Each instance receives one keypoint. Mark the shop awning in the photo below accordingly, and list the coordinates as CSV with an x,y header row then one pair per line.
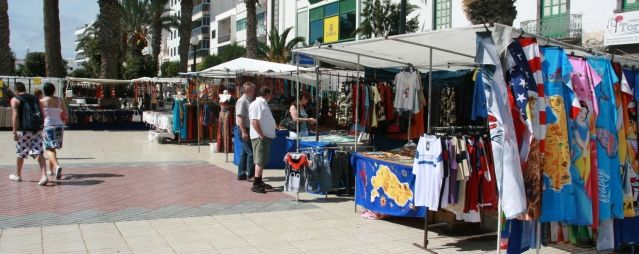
x,y
246,65
160,80
98,81
450,47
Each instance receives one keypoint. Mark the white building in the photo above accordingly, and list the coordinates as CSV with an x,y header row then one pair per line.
x,y
80,56
582,22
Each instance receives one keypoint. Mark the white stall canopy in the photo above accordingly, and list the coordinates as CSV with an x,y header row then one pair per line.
x,y
246,65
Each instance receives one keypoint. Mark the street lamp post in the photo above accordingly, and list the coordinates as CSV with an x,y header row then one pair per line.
x,y
194,42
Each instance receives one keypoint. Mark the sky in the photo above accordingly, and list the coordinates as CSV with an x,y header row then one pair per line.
x,y
27,26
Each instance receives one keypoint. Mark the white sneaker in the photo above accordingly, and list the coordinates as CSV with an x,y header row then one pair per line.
x,y
49,172
58,173
43,181
15,178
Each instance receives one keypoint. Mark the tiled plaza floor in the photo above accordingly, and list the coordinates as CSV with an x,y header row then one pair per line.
x,y
123,194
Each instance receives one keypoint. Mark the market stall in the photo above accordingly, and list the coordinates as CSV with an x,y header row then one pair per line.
x,y
508,95
101,104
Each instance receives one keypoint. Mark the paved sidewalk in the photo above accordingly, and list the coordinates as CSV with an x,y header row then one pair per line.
x,y
122,194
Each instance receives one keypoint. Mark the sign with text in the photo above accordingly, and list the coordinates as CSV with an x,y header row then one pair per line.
x,y
622,28
331,29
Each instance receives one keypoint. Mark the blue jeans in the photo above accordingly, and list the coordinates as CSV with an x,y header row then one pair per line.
x,y
246,166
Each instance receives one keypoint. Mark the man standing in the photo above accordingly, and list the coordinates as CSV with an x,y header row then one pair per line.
x,y
262,135
246,167
27,125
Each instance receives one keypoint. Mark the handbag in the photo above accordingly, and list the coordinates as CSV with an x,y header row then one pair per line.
x,y
287,122
136,118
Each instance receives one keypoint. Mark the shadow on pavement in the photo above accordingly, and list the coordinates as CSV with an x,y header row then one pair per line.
x,y
81,182
321,199
84,176
78,158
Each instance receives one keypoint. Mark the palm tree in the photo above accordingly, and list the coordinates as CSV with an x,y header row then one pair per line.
x,y
279,51
6,63
159,23
185,34
382,18
251,28
135,21
108,25
52,47
490,11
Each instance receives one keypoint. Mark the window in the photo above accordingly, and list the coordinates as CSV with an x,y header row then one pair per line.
x,y
240,25
331,9
347,26
316,31
347,6
630,5
213,34
442,14
261,24
302,25
317,13
552,8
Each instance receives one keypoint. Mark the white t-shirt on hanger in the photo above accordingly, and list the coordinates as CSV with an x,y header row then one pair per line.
x,y
428,169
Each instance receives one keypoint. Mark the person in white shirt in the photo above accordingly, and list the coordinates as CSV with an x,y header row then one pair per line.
x,y
262,134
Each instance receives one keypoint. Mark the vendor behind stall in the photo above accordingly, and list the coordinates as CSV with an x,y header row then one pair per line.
x,y
301,116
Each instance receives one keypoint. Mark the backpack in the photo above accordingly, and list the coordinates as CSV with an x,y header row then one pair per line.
x,y
30,114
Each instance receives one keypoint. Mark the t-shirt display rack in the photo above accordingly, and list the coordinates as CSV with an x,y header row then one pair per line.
x,y
408,66
430,67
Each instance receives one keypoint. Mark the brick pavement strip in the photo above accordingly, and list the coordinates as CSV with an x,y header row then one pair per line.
x,y
148,198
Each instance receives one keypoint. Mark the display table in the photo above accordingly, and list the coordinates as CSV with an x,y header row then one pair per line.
x,y
104,119
161,120
324,141
385,187
278,150
626,231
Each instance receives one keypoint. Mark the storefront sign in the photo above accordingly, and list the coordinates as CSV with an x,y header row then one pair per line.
x,y
331,29
622,28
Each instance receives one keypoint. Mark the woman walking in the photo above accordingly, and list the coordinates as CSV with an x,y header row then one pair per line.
x,y
55,113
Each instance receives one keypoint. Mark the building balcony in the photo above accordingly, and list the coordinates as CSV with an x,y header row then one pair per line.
x,y
203,32
201,53
201,10
222,38
565,27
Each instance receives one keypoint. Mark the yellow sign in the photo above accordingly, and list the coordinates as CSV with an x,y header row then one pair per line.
x,y
1,89
37,81
331,29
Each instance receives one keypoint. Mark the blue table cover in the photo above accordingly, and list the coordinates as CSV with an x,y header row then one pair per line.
x,y
385,187
279,148
626,231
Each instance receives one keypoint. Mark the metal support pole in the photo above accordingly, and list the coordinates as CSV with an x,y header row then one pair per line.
x,y
297,99
226,149
197,115
356,117
318,89
430,88
430,97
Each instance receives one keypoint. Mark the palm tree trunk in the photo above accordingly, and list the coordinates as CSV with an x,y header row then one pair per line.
x,y
185,34
109,31
156,41
52,49
6,63
251,28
